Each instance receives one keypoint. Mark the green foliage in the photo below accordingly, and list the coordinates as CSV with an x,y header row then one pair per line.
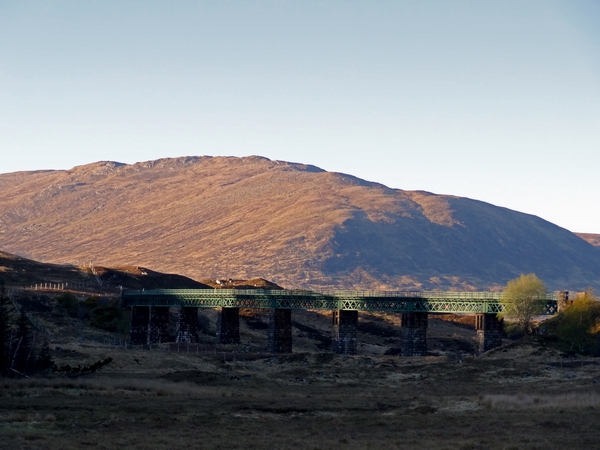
x,y
92,302
578,324
68,302
108,316
522,298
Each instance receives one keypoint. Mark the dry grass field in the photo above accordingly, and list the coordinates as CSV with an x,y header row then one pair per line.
x,y
522,396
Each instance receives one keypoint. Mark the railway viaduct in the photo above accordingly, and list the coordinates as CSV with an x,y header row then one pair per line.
x,y
150,314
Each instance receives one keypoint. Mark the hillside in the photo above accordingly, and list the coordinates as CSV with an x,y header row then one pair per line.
x,y
294,224
17,271
593,239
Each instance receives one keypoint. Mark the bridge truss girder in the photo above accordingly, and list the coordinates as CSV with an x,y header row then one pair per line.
x,y
429,302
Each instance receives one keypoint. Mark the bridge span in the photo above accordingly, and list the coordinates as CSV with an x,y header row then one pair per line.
x,y
150,313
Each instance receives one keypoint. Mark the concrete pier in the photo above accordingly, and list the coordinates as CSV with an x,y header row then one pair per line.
x,y
187,325
228,326
414,333
344,331
280,331
489,331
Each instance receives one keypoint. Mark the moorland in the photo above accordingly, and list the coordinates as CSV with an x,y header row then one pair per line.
x,y
533,392
294,224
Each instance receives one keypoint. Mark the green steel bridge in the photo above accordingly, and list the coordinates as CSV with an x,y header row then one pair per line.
x,y
414,301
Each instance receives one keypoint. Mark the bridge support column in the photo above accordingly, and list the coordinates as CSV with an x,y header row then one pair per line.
x,y
414,333
489,331
187,325
149,325
228,326
280,331
158,326
344,331
140,318
563,300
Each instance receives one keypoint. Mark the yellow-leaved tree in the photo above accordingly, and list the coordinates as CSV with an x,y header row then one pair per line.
x,y
523,298
579,324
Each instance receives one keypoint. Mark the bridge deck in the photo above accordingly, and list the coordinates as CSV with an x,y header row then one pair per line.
x,y
393,301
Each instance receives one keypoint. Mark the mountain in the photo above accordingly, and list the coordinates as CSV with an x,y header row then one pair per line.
x,y
593,239
295,224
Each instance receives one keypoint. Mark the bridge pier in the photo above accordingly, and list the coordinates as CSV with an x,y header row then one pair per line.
x,y
414,333
158,326
138,331
489,331
280,331
228,326
563,300
344,331
149,325
187,325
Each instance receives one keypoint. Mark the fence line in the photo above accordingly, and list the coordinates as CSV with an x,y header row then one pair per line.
x,y
181,347
52,286
95,273
175,347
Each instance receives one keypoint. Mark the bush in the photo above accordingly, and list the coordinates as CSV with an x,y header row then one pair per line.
x,y
69,303
579,324
108,317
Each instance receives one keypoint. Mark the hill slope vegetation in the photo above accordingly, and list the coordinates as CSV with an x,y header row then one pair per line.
x,y
295,224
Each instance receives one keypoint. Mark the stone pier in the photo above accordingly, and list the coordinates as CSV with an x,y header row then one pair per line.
x,y
563,300
140,317
228,326
158,327
187,325
149,325
414,333
489,331
280,331
344,331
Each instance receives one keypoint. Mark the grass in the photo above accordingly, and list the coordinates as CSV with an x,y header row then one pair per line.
x,y
151,399
523,401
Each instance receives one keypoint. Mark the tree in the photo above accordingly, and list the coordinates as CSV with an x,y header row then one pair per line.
x,y
43,362
577,323
523,298
24,345
6,313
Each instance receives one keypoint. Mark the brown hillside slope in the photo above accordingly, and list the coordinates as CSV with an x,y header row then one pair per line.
x,y
593,239
295,224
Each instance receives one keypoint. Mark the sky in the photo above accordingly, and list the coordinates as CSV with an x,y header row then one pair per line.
x,y
495,101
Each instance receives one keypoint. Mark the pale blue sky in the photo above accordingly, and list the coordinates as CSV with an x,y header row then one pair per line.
x,y
493,100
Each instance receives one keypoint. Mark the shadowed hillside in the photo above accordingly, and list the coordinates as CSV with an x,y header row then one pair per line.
x,y
295,224
17,271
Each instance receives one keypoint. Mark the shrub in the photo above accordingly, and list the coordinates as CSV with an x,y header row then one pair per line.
x,y
69,303
579,324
